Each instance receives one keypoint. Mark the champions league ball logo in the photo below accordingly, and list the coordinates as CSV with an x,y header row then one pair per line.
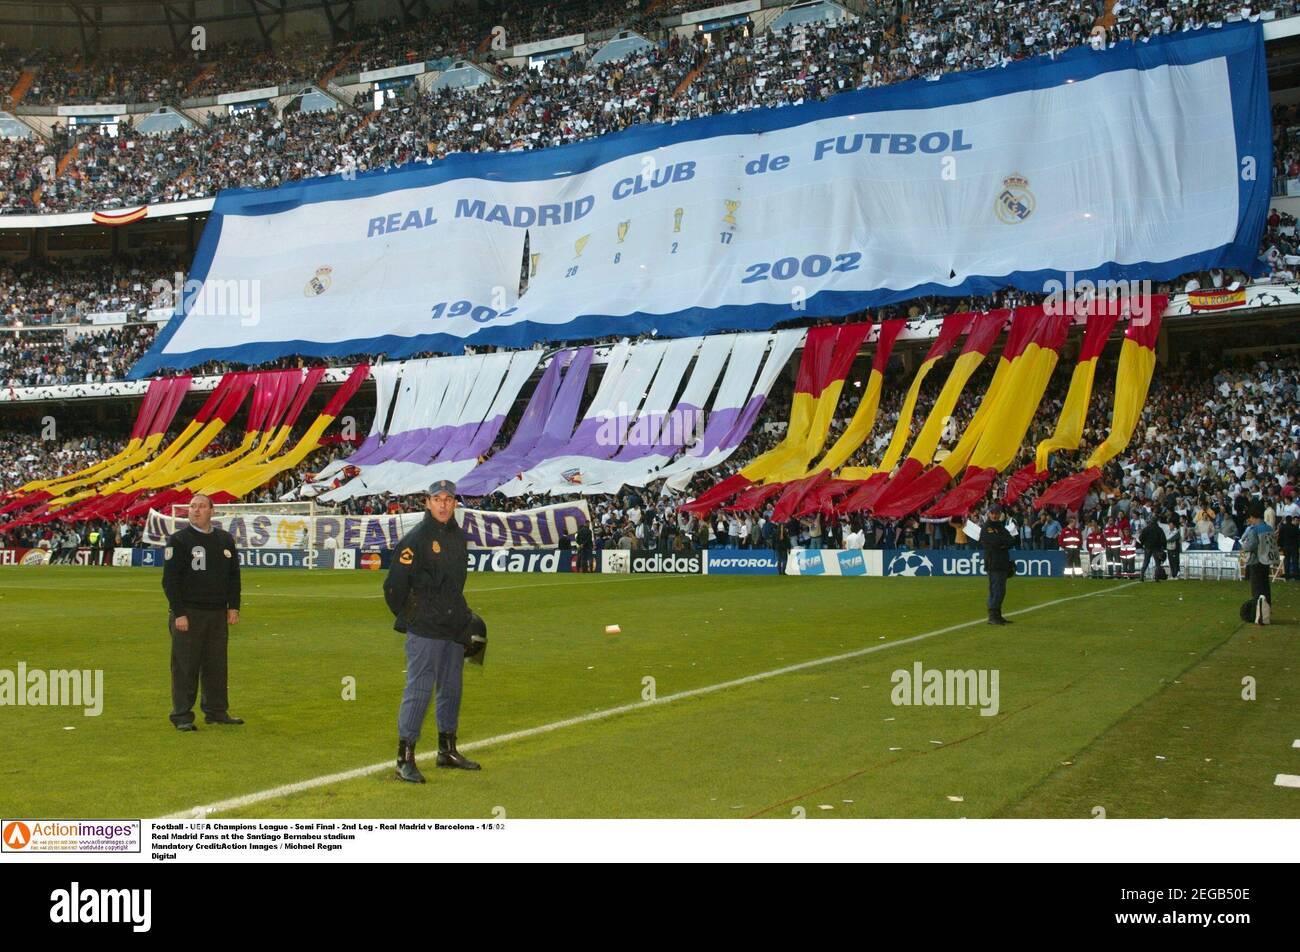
x,y
909,564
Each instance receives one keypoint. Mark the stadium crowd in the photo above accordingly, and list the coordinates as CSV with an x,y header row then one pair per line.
x,y
566,99
1210,444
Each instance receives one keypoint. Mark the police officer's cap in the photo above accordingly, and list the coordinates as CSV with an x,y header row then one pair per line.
x,y
442,486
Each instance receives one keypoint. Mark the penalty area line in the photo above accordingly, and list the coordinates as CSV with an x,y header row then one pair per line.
x,y
236,803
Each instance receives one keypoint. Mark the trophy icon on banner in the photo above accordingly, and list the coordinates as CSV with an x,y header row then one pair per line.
x,y
579,245
532,260
677,220
622,230
732,205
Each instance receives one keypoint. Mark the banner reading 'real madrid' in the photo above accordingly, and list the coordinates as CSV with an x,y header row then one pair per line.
x,y
539,528
1142,161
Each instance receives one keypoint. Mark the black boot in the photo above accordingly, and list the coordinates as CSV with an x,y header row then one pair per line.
x,y
996,619
406,769
1004,620
448,756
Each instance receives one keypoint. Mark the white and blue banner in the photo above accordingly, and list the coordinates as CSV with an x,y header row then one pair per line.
x,y
1142,161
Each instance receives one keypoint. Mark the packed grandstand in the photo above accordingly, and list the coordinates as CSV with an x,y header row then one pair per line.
x,y
883,426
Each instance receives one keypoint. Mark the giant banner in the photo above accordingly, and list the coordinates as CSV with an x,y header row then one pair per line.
x,y
1147,160
539,528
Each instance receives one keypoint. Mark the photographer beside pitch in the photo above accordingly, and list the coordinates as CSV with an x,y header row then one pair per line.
x,y
425,591
201,581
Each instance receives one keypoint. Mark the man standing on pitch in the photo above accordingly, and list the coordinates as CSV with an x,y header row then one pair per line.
x,y
425,591
997,543
201,581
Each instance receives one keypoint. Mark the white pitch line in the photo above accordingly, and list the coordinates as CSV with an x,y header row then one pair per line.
x,y
249,799
1286,780
257,594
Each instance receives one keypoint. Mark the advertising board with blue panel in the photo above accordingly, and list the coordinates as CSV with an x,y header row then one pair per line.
x,y
1037,563
739,562
1031,563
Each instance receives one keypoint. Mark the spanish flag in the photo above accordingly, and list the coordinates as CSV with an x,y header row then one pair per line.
x,y
61,497
1010,415
115,219
828,354
309,442
1137,362
816,491
161,400
110,499
874,477
1100,321
984,331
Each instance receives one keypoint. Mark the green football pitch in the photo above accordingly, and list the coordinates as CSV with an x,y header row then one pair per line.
x,y
721,697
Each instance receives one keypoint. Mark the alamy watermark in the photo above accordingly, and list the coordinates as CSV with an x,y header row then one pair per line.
x,y
683,426
1068,296
53,688
216,297
946,688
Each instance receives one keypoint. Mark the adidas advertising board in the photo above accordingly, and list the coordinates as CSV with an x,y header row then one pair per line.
x,y
671,564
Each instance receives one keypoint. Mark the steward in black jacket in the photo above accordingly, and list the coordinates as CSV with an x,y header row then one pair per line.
x,y
425,587
997,543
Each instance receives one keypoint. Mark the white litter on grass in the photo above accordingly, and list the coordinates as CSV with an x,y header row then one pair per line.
x,y
612,629
69,728
895,748
889,719
881,638
846,801
834,698
591,667
939,742
824,806
1287,780
1295,743
1067,763
957,799
1159,757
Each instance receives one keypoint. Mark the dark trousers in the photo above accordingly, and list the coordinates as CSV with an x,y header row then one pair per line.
x,y
586,560
1174,555
1156,555
1260,583
431,663
199,655
997,592
1071,558
1291,563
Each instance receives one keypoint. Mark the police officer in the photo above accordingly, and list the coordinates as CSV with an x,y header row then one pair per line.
x,y
997,543
425,591
201,581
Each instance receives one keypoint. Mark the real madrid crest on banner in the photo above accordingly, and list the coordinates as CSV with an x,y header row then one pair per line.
x,y
319,283
1015,202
